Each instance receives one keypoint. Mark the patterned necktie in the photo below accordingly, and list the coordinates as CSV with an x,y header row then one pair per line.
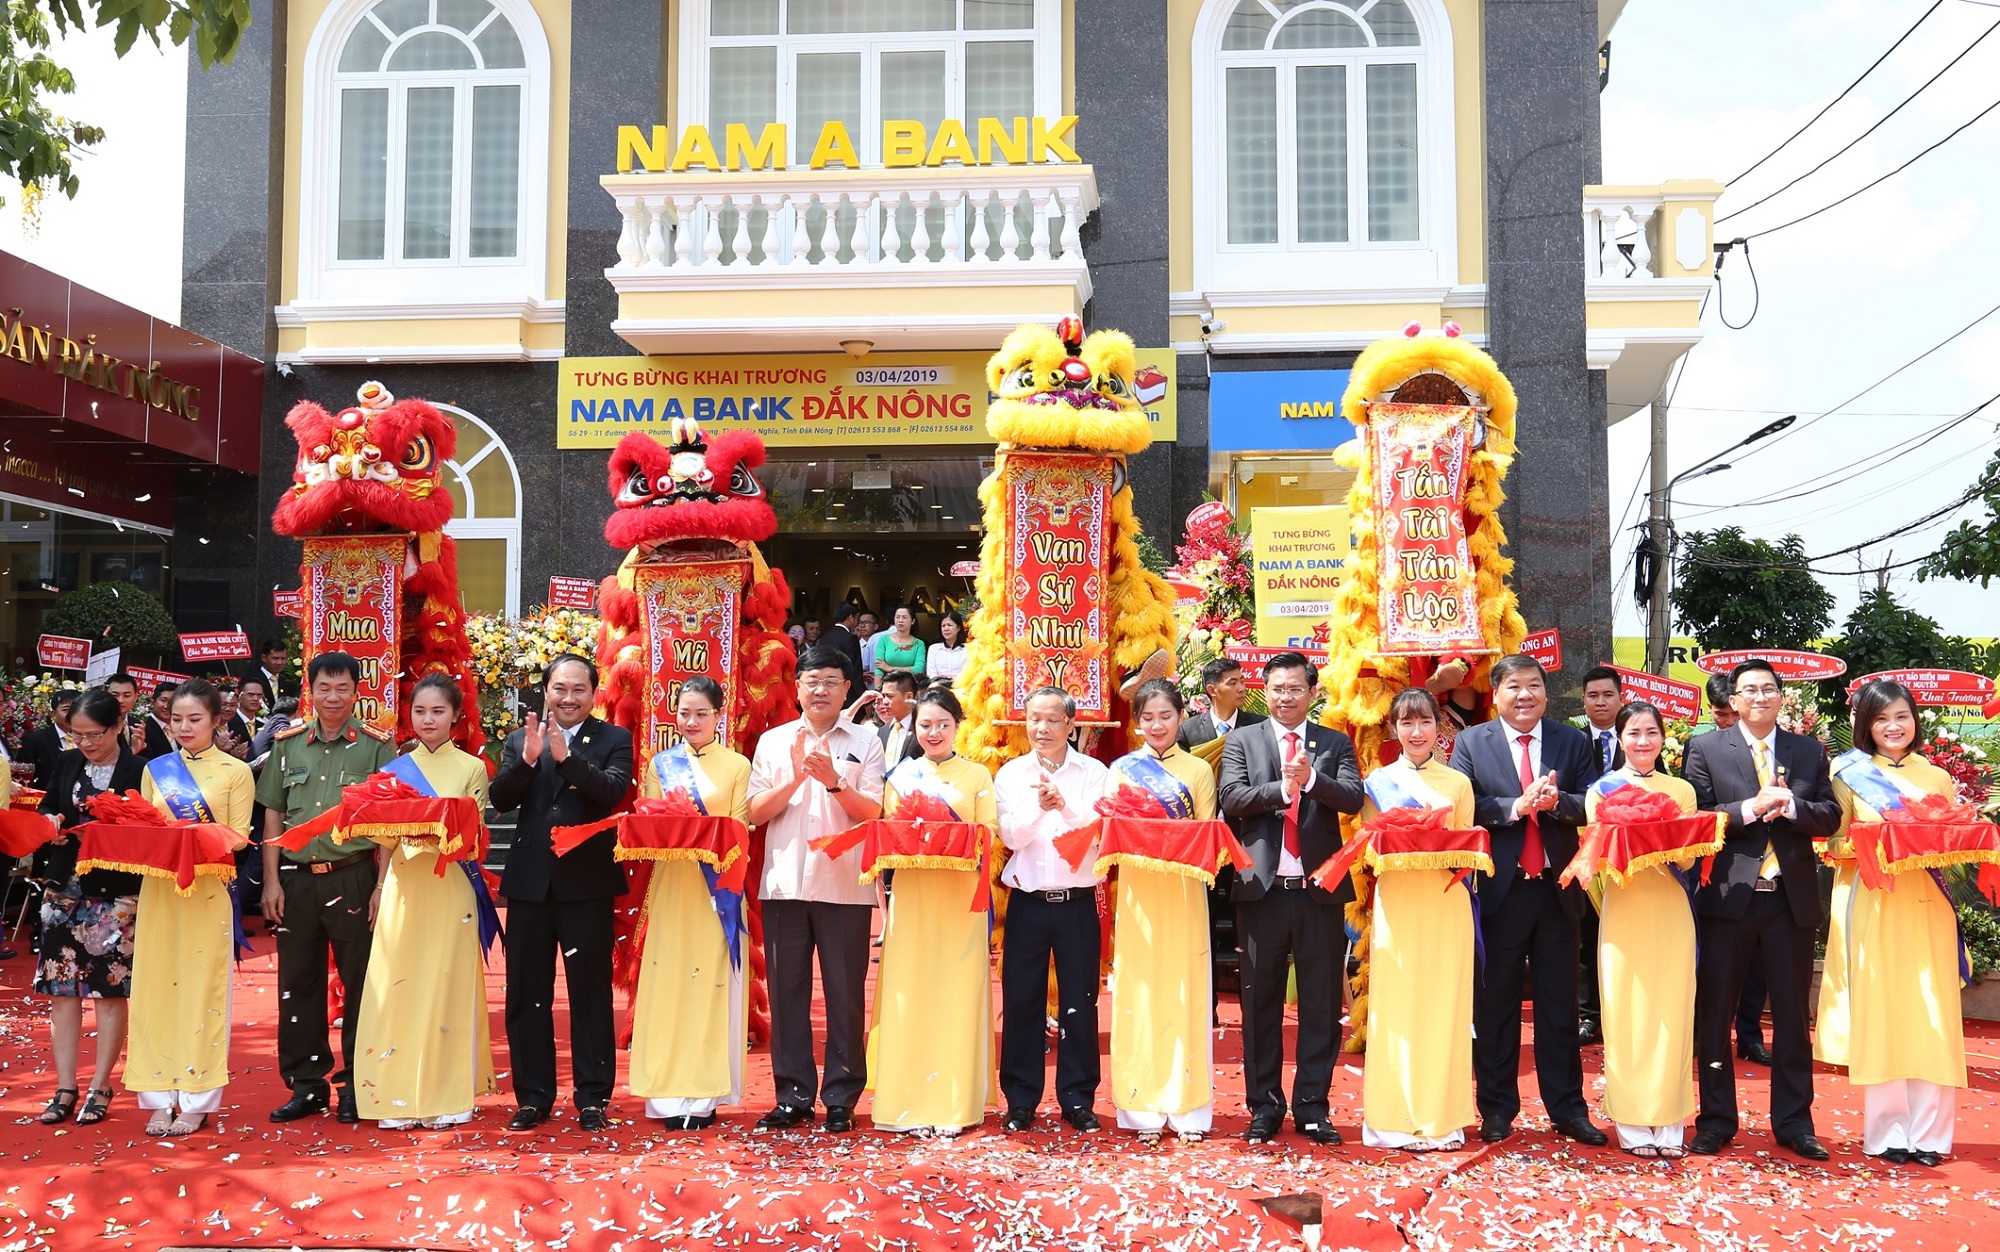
x,y
1292,809
1769,867
1604,749
1532,858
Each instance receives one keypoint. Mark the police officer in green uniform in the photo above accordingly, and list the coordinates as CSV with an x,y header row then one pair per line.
x,y
325,895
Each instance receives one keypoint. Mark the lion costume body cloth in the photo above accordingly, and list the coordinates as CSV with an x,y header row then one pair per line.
x,y
377,468
1360,682
696,501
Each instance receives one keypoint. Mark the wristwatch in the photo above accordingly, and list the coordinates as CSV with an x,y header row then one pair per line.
x,y
836,789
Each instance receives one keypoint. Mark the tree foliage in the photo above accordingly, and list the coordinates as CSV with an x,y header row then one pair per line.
x,y
111,615
1734,592
36,141
1972,549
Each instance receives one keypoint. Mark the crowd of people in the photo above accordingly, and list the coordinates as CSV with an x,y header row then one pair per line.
x,y
1665,953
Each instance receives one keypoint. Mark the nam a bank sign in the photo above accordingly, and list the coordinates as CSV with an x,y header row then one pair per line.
x,y
1277,410
905,145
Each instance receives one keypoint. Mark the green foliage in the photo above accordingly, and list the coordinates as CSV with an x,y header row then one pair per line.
x,y
1150,555
114,615
36,142
1881,634
1972,549
1735,592
1980,925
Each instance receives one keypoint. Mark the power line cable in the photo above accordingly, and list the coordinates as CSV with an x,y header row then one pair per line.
x,y
1928,519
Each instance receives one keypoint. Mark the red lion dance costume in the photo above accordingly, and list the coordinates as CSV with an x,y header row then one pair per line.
x,y
375,472
683,514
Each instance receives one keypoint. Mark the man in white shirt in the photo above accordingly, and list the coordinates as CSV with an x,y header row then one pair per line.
x,y
1051,912
813,778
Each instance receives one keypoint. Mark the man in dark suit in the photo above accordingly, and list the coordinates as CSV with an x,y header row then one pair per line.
x,y
271,668
1749,1009
1761,903
568,771
158,741
1222,679
42,746
896,707
1283,787
841,634
1603,694
1528,775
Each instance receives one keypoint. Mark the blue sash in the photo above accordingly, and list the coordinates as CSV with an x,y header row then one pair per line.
x,y
1866,779
1609,783
1388,792
676,772
1144,768
405,767
176,785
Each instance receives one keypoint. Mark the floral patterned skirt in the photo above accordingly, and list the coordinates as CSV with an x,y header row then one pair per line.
x,y
86,947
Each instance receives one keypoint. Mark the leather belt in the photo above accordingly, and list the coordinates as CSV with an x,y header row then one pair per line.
x,y
1294,882
1063,895
1765,884
327,867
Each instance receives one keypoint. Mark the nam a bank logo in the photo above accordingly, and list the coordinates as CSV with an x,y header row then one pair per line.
x,y
1277,410
1308,408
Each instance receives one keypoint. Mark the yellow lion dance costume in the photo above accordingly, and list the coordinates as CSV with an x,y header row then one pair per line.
x,y
1059,392
1359,681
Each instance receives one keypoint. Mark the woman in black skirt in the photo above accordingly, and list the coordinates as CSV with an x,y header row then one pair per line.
x,y
86,940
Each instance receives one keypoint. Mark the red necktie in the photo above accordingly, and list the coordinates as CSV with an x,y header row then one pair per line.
x,y
1532,858
1292,809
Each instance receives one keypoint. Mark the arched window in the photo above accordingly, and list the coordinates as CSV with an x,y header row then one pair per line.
x,y
427,147
1330,122
486,519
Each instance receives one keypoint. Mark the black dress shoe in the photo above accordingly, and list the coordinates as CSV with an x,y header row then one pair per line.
x,y
785,1117
1588,1033
839,1120
1754,1052
302,1104
527,1117
1018,1120
1083,1120
1806,1146
349,1113
1930,1160
1319,1132
1895,1156
593,1121
1264,1127
1493,1130
1580,1129
1707,1143
699,1123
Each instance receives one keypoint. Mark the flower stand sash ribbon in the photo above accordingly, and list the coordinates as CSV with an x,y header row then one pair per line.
x,y
926,833
1146,819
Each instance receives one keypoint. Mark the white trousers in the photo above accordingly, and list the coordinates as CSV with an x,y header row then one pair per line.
x,y
1649,1136
1908,1113
681,1106
1373,1138
204,1102
1193,1122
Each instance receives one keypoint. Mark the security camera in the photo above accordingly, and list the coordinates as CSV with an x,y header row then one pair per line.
x,y
284,369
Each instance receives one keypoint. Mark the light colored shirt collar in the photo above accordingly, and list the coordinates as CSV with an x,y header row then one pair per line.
x,y
1533,732
1279,731
1770,741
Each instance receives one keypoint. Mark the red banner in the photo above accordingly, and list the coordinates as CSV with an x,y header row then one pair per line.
x,y
688,614
965,569
288,603
1208,515
1943,687
1791,664
1252,660
1429,600
1669,695
63,652
1058,510
215,645
353,586
571,593
149,680
1545,646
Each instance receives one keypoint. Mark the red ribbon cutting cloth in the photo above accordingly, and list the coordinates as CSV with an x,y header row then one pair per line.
x,y
1404,838
1637,829
26,799
1132,829
924,834
23,830
385,809
671,828
1930,832
130,835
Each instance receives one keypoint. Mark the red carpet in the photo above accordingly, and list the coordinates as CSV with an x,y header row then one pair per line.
x,y
246,1183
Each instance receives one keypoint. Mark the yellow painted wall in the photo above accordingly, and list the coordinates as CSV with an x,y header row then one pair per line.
x,y
304,17
1637,314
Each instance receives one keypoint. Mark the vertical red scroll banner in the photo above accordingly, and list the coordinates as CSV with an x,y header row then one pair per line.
x,y
1429,598
352,586
1058,510
688,613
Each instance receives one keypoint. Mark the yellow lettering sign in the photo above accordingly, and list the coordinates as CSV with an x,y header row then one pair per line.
x,y
1012,143
902,145
906,144
696,148
834,144
633,146
1047,139
951,144
767,153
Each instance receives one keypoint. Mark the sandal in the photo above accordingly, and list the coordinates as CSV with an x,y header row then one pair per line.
x,y
161,1121
97,1107
1645,1152
186,1123
1191,1136
1674,1153
61,1107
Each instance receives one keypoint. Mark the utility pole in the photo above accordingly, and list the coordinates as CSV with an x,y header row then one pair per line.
x,y
1659,527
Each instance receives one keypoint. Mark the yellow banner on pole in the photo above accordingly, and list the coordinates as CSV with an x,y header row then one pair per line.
x,y
1299,557
807,400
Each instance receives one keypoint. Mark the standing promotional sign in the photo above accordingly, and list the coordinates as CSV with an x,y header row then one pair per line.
x,y
149,680
102,666
1430,602
1059,516
352,585
688,612
1299,558
1671,696
62,652
566,592
215,645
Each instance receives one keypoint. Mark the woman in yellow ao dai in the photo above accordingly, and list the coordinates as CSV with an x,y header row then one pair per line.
x,y
1416,1081
182,946
1906,1032
1162,1008
691,1011
1645,965
424,1053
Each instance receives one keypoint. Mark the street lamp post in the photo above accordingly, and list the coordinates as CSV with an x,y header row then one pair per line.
x,y
1660,525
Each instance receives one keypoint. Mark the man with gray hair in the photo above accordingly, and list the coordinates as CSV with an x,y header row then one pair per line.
x,y
1051,913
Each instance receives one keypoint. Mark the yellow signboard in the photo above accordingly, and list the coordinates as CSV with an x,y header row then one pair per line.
x,y
1299,558
808,400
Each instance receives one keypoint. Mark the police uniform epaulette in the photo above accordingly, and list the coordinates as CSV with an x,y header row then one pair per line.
x,y
296,728
376,732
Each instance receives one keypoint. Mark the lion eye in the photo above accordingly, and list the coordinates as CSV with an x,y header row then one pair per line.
x,y
637,485
1113,384
743,483
1022,379
419,455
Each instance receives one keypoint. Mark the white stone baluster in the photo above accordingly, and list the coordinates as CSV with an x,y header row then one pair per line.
x,y
981,202
711,234
656,233
829,231
1041,235
1010,227
1593,256
920,230
1072,227
954,224
632,215
1642,251
1610,261
801,237
767,244
739,239
892,230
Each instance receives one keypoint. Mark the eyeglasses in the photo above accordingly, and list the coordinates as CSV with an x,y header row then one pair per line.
x,y
821,687
1757,693
1287,691
87,736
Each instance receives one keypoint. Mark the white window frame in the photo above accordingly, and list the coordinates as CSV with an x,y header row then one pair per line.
x,y
1430,260
695,41
388,283
459,476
